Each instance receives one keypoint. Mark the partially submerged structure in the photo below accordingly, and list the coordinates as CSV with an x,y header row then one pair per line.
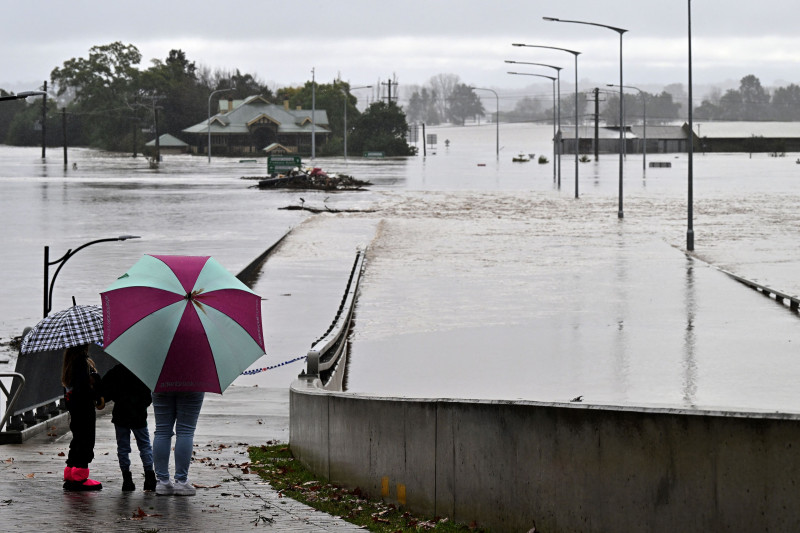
x,y
769,137
248,126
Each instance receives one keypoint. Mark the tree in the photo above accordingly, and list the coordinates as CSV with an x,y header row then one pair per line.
x,y
526,109
442,85
103,85
174,87
464,103
568,108
8,111
786,102
422,107
382,128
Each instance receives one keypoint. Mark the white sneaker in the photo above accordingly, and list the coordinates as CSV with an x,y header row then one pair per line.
x,y
183,488
164,488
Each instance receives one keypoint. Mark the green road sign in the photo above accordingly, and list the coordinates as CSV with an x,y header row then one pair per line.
x,y
283,163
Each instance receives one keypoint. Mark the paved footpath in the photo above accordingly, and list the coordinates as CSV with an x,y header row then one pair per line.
x,y
228,499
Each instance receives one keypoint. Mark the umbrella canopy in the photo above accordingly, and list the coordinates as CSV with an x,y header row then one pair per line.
x,y
80,324
182,323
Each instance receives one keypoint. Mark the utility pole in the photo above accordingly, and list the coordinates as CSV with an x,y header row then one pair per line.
x,y
158,146
596,123
44,120
64,133
389,86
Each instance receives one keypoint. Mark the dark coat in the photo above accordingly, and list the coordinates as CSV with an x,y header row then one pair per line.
x,y
131,397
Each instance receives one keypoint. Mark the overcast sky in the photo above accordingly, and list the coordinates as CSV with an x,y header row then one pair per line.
x,y
366,41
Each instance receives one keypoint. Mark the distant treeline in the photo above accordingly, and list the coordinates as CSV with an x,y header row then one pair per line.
x,y
111,104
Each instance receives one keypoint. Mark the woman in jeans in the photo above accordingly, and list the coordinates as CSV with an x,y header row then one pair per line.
x,y
176,411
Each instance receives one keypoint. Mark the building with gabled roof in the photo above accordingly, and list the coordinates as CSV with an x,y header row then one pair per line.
x,y
248,126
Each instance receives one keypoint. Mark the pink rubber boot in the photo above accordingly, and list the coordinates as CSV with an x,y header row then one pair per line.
x,y
79,481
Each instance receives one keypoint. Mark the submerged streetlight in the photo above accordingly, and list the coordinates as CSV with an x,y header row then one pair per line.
x,y
496,118
558,112
644,120
48,283
551,78
577,138
620,31
208,122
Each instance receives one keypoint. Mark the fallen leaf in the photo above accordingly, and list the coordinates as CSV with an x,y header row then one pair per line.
x,y
201,486
31,475
61,454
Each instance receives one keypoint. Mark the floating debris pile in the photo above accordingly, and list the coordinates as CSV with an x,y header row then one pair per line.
x,y
314,178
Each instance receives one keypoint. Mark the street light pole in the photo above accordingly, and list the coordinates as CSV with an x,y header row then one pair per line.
x,y
23,94
690,227
345,113
48,283
644,119
313,115
551,78
577,138
496,118
620,31
208,123
556,163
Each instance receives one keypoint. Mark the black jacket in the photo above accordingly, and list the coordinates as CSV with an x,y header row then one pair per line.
x,y
131,397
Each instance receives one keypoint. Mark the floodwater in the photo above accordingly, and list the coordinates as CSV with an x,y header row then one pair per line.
x,y
484,279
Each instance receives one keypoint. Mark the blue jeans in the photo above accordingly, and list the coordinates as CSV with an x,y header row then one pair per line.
x,y
142,436
176,411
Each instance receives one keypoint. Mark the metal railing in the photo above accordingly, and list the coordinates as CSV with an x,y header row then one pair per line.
x,y
11,399
792,301
331,348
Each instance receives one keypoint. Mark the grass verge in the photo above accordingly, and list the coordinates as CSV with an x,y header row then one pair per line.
x,y
276,465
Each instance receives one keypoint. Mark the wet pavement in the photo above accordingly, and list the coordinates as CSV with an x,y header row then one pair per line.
x,y
228,498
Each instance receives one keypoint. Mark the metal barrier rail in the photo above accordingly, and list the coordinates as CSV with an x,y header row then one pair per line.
x,y
11,399
780,297
326,352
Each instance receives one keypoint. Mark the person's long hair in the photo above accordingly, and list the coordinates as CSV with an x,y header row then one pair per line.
x,y
71,356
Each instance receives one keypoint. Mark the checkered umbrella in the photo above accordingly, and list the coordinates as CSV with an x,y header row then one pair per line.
x,y
80,324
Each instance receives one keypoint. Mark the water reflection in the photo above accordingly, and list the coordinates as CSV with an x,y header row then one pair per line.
x,y
689,340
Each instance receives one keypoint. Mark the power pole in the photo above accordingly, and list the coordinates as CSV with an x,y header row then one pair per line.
x,y
596,123
64,133
389,86
44,120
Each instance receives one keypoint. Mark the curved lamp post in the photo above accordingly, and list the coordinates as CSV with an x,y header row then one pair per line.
x,y
620,31
345,113
551,78
496,118
644,120
558,113
23,94
577,138
48,284
208,123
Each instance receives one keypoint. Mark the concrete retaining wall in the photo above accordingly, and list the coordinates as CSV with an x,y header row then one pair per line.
x,y
563,467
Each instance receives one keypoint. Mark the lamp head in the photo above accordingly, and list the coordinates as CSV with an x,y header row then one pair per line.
x,y
550,19
126,237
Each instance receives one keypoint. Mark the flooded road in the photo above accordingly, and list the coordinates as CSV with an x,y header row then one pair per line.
x,y
483,278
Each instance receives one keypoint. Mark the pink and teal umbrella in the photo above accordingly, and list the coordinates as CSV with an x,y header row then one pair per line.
x,y
182,323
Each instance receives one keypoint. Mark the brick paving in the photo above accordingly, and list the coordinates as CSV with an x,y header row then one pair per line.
x,y
228,499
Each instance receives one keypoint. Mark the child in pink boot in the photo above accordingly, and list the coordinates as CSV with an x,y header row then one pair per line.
x,y
82,383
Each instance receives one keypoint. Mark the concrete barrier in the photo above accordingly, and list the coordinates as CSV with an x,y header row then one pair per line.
x,y
513,465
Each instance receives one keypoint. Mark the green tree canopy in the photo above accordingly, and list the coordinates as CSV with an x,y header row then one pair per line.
x,y
382,128
464,103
